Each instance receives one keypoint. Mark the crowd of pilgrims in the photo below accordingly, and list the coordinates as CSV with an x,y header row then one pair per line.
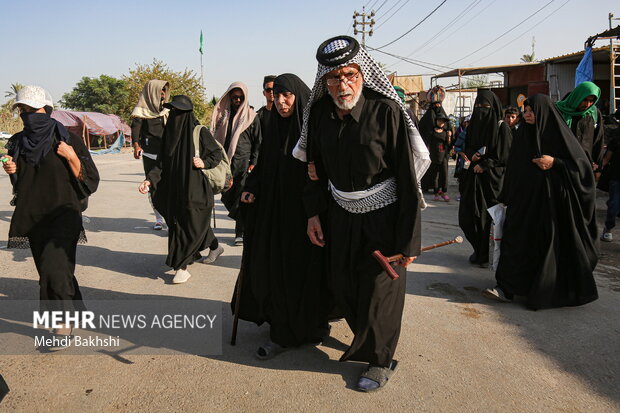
x,y
295,174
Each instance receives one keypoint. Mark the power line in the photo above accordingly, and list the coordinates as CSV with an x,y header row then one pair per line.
x,y
393,14
414,61
450,32
524,32
444,36
382,4
505,33
467,9
389,10
373,4
410,30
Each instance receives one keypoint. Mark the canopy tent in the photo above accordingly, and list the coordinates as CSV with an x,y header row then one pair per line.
x,y
92,126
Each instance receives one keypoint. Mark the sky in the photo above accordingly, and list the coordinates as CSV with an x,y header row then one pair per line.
x,y
55,43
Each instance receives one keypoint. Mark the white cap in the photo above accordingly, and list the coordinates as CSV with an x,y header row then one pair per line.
x,y
34,96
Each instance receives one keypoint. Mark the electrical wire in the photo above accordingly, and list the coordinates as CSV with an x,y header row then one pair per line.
x,y
393,14
528,31
503,34
414,27
421,63
389,10
467,9
382,4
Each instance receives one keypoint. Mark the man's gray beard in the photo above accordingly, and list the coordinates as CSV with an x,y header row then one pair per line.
x,y
347,105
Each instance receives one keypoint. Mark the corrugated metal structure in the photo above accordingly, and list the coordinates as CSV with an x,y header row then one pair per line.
x,y
554,76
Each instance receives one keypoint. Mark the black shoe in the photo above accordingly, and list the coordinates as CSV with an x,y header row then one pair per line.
x,y
473,258
484,264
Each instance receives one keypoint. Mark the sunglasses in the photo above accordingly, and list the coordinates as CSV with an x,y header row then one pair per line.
x,y
268,89
236,97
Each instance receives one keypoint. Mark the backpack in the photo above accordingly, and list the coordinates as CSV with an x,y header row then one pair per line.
x,y
220,176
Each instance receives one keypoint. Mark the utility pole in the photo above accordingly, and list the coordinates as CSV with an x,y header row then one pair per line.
x,y
363,23
613,55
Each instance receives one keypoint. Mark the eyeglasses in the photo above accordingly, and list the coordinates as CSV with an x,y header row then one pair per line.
x,y
347,78
268,89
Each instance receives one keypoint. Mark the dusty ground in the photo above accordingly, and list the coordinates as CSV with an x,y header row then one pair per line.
x,y
458,352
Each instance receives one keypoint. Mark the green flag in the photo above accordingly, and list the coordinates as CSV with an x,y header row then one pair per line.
x,y
200,49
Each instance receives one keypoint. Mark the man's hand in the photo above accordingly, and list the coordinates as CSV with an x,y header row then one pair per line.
x,y
66,151
312,172
405,261
198,163
476,157
315,232
250,167
144,187
247,197
478,169
462,155
9,166
137,150
545,162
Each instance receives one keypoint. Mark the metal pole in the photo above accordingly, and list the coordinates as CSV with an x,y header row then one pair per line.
x,y
612,72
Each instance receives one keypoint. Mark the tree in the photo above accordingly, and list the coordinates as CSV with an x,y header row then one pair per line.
x,y
528,58
12,95
105,94
181,83
476,81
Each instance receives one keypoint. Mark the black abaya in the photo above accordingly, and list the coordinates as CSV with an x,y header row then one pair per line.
x,y
48,209
182,193
549,245
283,273
479,191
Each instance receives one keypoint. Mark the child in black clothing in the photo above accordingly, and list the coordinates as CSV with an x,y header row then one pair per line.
x,y
438,148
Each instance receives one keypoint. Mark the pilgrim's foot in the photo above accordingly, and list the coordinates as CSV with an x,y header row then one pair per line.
x,y
497,294
473,258
375,377
269,350
212,256
181,276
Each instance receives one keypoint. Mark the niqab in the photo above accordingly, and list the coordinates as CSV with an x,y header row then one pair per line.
x,y
38,137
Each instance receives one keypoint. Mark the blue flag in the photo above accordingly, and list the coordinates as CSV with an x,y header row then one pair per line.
x,y
585,71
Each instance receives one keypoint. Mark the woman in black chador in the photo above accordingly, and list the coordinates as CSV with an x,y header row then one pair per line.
x,y
52,174
181,192
283,276
487,147
549,243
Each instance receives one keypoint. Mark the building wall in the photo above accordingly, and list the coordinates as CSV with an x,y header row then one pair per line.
x,y
525,75
561,78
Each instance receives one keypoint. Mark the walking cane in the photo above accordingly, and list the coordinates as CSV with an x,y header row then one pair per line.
x,y
214,222
385,262
233,338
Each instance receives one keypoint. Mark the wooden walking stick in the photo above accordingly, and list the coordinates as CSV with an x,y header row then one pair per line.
x,y
233,338
386,262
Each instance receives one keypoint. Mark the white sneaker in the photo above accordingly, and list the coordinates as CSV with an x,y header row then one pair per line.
x,y
213,254
239,241
607,237
181,276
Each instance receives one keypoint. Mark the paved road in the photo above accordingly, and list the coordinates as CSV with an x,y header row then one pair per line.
x,y
458,352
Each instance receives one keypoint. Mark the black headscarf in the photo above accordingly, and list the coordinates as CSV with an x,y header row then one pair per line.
x,y
484,124
37,138
289,129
